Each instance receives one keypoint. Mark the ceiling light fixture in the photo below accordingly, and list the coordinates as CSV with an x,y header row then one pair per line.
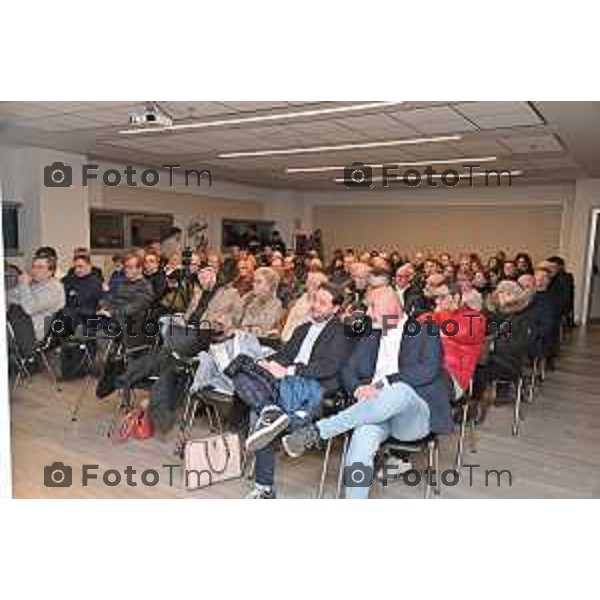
x,y
265,118
423,163
315,149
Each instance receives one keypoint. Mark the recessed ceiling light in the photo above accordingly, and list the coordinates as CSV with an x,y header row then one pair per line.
x,y
264,118
339,147
423,163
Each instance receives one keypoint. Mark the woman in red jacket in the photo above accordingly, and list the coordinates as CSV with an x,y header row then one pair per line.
x,y
463,332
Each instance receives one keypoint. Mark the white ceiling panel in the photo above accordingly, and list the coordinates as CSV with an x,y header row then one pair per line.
x,y
435,120
538,143
378,126
192,109
494,115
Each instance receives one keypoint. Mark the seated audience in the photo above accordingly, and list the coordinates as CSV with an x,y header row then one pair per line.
x,y
463,331
409,293
155,274
523,264
117,276
83,290
260,309
511,344
131,301
244,276
400,384
38,294
315,354
83,251
300,310
379,277
509,271
213,302
230,264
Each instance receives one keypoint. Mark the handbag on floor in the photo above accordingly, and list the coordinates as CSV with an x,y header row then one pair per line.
x,y
212,460
135,423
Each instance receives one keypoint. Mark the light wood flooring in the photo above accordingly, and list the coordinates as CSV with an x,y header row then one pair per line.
x,y
556,456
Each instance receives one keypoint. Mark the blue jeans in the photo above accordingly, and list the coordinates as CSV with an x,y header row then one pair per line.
x,y
396,411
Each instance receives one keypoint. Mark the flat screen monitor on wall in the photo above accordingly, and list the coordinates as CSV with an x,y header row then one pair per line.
x,y
239,232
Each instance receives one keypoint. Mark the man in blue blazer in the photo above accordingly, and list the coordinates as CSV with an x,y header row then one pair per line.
x,y
398,380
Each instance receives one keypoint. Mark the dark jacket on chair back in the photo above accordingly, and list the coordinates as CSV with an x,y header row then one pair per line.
x,y
419,365
329,354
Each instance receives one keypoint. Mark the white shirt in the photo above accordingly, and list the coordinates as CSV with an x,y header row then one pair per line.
x,y
306,348
389,351
400,293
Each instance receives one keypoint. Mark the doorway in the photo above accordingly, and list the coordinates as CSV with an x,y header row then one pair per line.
x,y
591,306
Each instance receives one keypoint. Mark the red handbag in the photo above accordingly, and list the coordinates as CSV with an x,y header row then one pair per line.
x,y
135,423
142,426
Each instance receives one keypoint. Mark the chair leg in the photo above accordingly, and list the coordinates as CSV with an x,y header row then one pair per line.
x,y
472,436
430,463
517,414
50,371
437,490
324,469
340,480
186,423
461,436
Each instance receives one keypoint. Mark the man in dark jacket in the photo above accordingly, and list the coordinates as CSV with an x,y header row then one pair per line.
x,y
409,292
83,290
545,312
317,352
130,302
563,287
400,386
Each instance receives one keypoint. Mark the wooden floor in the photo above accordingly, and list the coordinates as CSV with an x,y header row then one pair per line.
x,y
556,456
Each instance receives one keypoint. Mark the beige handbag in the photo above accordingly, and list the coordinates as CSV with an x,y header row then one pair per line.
x,y
212,460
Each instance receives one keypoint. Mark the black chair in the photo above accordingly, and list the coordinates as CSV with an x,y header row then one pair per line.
x,y
518,382
428,445
330,405
26,360
466,407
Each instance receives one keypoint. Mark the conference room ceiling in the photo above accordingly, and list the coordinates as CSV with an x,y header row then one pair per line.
x,y
547,141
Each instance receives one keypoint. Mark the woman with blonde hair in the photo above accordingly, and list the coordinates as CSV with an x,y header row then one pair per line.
x,y
261,309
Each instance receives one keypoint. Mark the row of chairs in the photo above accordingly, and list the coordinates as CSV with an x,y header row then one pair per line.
x,y
215,403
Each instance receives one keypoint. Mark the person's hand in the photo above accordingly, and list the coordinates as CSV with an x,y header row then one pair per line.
x,y
24,278
363,392
103,312
105,287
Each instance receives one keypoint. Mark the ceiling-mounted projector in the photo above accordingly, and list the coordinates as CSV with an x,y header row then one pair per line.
x,y
152,116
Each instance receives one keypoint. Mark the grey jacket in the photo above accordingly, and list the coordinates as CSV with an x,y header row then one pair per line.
x,y
40,301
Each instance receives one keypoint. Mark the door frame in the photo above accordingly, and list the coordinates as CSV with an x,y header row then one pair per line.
x,y
594,231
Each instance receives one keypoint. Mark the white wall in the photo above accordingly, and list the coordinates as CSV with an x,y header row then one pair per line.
x,y
587,197
59,217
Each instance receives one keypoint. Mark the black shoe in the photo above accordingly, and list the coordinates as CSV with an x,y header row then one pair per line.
x,y
261,492
301,440
271,422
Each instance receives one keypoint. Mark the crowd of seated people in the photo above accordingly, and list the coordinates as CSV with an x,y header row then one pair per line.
x,y
293,319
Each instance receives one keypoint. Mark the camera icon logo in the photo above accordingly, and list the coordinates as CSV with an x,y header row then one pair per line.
x,y
58,175
358,176
358,325
358,475
58,475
